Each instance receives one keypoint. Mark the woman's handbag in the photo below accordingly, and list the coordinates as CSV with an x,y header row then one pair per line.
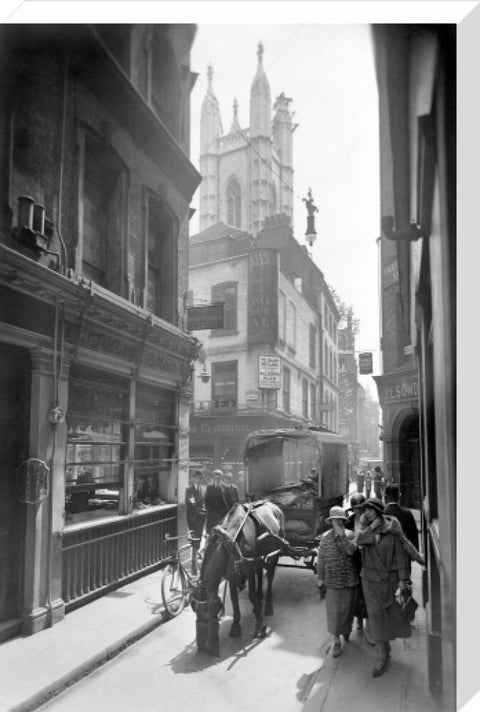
x,y
409,606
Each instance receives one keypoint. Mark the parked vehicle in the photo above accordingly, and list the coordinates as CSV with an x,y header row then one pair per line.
x,y
304,472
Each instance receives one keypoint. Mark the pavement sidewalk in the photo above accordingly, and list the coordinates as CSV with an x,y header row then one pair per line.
x,y
33,668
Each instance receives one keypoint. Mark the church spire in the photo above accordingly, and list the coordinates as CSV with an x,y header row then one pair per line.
x,y
260,104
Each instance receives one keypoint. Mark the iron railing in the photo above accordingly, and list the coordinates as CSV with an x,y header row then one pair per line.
x,y
104,556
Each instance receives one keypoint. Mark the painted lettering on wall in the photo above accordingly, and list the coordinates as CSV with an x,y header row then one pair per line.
x,y
401,390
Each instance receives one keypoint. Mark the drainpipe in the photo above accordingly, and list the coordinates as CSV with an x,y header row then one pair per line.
x,y
62,158
56,416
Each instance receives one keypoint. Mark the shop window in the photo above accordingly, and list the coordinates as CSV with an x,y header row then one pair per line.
x,y
227,294
96,444
224,384
108,444
161,263
103,206
234,203
154,447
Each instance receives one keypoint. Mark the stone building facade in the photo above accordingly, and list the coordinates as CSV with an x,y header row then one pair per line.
x,y
95,187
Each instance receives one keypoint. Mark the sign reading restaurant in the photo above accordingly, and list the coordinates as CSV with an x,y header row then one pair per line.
x,y
269,372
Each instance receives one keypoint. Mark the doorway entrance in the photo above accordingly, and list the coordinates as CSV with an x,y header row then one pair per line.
x,y
409,461
14,399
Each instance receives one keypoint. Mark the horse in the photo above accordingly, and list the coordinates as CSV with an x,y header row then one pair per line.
x,y
248,539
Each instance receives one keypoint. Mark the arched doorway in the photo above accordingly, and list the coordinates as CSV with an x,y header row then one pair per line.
x,y
409,460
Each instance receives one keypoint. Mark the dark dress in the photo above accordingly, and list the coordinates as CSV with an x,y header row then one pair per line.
x,y
360,607
384,563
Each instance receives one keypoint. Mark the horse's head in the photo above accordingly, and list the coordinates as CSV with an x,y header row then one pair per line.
x,y
215,561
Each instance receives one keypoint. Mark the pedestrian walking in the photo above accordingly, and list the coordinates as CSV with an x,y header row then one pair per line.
x,y
337,575
368,484
216,502
377,481
195,512
404,515
353,523
360,481
384,570
231,489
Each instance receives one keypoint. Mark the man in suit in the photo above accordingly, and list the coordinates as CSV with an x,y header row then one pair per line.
x,y
231,489
195,510
404,515
216,500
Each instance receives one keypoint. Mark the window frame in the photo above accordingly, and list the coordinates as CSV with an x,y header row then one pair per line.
x,y
219,367
218,295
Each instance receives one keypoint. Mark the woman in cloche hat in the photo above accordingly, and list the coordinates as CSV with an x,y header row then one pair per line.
x,y
384,569
336,573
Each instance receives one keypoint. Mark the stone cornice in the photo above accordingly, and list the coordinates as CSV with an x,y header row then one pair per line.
x,y
99,319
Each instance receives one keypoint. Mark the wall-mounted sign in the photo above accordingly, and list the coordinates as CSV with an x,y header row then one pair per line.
x,y
390,273
263,296
269,372
365,363
205,317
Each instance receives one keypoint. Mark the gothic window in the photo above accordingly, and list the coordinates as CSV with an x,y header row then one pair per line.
x,y
234,203
273,199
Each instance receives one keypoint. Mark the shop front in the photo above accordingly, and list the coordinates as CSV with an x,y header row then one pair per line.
x,y
96,390
217,441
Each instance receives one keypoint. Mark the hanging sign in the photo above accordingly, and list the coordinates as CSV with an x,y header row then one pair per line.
x,y
205,317
365,362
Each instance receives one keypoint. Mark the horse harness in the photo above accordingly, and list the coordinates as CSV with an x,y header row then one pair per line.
x,y
232,541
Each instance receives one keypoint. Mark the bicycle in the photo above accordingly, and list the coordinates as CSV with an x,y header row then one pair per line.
x,y
178,584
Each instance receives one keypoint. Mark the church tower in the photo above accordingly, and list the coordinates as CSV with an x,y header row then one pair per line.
x,y
247,173
210,132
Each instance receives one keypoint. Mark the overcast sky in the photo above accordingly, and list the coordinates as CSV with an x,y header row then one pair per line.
x,y
328,72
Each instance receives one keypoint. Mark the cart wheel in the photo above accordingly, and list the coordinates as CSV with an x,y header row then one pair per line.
x,y
173,589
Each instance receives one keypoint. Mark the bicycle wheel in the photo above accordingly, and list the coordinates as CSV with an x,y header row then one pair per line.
x,y
173,589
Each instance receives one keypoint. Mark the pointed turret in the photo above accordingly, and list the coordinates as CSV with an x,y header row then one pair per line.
x,y
260,102
210,132
282,140
210,120
235,127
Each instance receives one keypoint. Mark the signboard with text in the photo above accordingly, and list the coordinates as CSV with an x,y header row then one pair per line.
x,y
269,372
263,296
365,363
205,317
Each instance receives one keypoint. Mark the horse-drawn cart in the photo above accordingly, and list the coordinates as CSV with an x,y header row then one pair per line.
x,y
304,472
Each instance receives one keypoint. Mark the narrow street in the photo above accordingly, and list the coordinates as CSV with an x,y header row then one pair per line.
x,y
290,669
165,671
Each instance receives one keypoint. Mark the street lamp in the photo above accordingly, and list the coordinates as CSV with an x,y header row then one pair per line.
x,y
310,234
205,376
